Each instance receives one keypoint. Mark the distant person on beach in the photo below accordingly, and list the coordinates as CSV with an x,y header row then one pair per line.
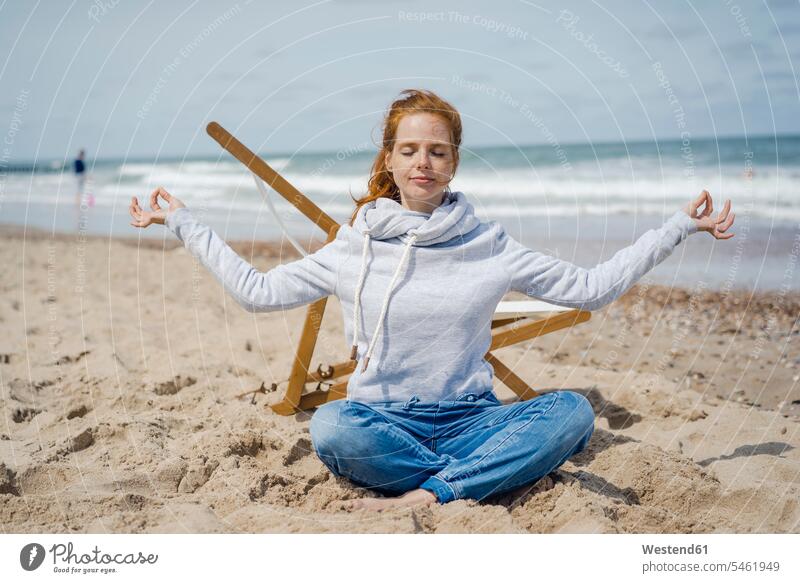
x,y
79,166
80,172
419,276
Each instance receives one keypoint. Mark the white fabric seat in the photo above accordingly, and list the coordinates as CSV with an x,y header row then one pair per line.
x,y
522,308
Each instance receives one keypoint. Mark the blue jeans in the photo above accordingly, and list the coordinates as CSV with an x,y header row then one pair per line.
x,y
472,447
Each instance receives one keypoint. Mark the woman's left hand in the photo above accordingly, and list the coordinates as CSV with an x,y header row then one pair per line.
x,y
716,226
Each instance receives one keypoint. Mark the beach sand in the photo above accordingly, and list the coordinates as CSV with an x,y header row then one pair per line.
x,y
121,362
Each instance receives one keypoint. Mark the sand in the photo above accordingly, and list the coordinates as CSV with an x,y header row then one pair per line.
x,y
121,362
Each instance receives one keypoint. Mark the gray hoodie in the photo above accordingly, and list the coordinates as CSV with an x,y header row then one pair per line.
x,y
418,290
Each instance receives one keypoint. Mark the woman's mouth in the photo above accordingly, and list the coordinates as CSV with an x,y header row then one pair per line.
x,y
422,180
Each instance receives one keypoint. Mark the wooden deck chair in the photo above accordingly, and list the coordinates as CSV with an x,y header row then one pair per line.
x,y
513,321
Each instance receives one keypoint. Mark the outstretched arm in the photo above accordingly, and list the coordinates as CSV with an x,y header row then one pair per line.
x,y
565,284
284,287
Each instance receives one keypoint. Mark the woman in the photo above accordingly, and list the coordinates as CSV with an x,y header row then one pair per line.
x,y
419,277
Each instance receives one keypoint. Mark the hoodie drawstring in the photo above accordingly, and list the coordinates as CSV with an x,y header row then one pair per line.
x,y
384,307
357,299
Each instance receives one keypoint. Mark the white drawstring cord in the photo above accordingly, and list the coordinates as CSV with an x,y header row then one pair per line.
x,y
357,298
385,306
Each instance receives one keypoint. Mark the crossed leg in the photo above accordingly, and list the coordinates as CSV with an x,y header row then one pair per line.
x,y
516,444
355,441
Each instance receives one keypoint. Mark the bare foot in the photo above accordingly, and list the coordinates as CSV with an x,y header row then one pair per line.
x,y
416,497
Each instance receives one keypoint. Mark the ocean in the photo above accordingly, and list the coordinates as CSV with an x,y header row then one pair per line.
x,y
580,202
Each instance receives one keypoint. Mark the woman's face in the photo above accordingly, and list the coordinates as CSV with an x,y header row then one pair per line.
x,y
421,161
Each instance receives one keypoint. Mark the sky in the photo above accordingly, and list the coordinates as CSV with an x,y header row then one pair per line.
x,y
141,79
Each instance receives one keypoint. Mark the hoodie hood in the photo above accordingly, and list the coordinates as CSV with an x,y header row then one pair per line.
x,y
384,219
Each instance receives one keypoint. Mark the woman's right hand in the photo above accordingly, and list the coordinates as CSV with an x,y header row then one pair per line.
x,y
143,218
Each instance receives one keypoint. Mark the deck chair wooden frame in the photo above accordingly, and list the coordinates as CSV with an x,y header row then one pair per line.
x,y
510,326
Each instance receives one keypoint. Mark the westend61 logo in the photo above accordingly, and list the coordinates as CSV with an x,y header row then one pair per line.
x,y
32,556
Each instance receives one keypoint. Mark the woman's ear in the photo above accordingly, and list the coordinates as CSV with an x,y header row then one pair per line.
x,y
386,158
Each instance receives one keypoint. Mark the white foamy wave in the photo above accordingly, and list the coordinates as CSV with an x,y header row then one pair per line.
x,y
782,187
608,186
194,167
